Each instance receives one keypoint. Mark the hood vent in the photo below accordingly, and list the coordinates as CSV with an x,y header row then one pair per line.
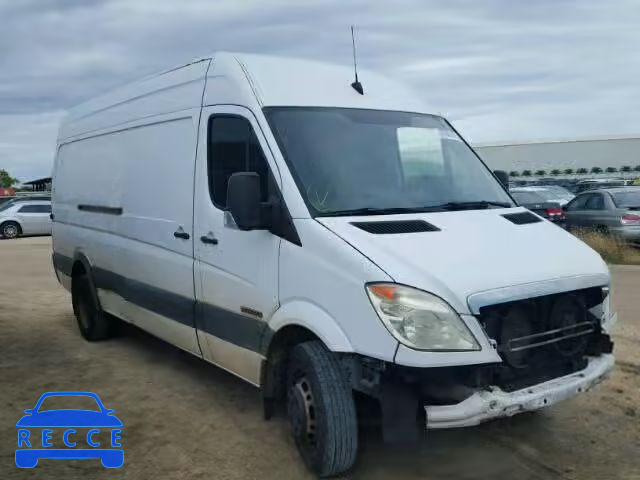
x,y
522,218
396,226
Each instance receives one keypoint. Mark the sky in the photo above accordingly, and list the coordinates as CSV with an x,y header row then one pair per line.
x,y
501,70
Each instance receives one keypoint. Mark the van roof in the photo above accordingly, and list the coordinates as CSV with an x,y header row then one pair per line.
x,y
251,80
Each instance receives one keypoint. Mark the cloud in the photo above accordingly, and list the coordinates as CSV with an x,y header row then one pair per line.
x,y
499,69
27,143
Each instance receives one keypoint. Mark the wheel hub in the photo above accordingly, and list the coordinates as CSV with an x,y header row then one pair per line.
x,y
302,412
10,231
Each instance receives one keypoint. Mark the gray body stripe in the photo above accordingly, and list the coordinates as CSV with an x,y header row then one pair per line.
x,y
241,330
235,328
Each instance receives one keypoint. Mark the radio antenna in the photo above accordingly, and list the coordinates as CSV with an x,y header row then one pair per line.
x,y
357,86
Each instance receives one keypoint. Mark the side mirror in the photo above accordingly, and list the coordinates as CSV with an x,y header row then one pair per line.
x,y
243,200
29,410
503,177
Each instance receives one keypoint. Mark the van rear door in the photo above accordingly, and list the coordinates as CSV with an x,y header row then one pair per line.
x,y
236,271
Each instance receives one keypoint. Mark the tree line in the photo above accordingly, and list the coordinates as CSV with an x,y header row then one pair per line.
x,y
571,171
6,180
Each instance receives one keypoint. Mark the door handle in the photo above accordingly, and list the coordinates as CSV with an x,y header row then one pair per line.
x,y
209,239
180,233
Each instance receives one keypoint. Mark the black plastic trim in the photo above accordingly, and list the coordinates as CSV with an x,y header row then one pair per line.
x,y
101,209
236,328
396,226
522,218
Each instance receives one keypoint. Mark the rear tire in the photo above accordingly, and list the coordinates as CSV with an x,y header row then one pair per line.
x,y
94,324
321,410
10,230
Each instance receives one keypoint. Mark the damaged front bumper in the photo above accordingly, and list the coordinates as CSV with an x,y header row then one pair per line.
x,y
495,403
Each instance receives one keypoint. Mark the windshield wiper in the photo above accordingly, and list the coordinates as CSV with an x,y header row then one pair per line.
x,y
475,205
377,211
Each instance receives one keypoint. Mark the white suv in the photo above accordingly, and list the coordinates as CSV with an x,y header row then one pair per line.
x,y
25,217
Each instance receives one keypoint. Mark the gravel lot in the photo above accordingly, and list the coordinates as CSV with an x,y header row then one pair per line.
x,y
184,418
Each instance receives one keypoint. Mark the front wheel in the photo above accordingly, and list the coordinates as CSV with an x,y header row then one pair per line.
x,y
321,410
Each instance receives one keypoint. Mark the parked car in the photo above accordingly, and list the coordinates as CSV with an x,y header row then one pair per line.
x,y
597,183
25,217
24,198
614,211
552,193
560,194
4,200
325,239
535,200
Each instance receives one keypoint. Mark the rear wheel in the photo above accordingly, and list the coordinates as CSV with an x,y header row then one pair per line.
x,y
10,230
321,410
94,324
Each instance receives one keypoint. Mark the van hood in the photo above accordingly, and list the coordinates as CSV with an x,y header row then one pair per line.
x,y
478,254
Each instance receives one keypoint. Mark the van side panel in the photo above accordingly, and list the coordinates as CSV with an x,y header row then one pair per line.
x,y
329,296
119,197
173,91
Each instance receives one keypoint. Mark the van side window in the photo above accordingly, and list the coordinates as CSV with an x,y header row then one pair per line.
x,y
233,147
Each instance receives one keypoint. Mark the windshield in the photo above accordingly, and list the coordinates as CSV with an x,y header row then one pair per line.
x,y
345,160
528,197
626,199
7,205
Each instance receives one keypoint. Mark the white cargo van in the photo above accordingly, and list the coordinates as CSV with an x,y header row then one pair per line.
x,y
264,215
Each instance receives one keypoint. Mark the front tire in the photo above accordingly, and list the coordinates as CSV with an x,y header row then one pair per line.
x,y
321,410
10,230
94,324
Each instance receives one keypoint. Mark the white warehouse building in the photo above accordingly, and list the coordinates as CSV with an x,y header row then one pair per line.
x,y
587,153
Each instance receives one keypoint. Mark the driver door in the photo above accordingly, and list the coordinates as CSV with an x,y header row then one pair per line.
x,y
236,271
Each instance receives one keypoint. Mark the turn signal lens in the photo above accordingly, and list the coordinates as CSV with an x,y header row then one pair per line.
x,y
387,292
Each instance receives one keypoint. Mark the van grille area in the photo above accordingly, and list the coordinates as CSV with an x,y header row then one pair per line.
x,y
544,337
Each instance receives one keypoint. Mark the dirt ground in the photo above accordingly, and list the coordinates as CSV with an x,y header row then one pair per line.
x,y
184,418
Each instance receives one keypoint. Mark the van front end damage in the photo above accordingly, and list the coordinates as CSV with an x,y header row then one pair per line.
x,y
551,348
493,402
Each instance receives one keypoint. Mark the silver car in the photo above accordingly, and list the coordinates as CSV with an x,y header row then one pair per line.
x,y
25,217
614,211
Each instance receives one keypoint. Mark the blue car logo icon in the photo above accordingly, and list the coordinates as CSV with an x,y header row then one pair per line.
x,y
35,432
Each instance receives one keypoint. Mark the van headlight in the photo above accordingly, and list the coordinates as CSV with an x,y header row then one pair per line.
x,y
419,319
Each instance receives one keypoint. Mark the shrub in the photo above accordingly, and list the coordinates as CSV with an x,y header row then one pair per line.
x,y
568,171
611,250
